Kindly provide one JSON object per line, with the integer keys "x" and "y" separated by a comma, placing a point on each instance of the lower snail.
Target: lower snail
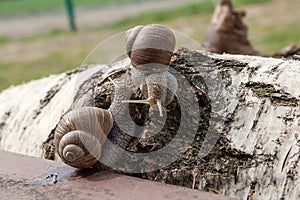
{"x": 82, "y": 132}
{"x": 150, "y": 49}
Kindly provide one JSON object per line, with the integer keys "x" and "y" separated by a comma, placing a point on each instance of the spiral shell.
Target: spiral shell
{"x": 150, "y": 44}
{"x": 80, "y": 135}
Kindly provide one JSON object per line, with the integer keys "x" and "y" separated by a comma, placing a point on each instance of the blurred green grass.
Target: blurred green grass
{"x": 70, "y": 54}
{"x": 198, "y": 8}
{"x": 12, "y": 73}
{"x": 277, "y": 37}
{"x": 12, "y": 7}
{"x": 4, "y": 40}
{"x": 202, "y": 7}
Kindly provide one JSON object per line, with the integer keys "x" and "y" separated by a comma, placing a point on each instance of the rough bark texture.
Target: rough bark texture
{"x": 251, "y": 104}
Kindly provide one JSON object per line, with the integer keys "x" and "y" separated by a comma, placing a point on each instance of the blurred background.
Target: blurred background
{"x": 37, "y": 39}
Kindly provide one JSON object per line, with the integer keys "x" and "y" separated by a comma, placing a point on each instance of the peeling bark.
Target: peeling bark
{"x": 251, "y": 104}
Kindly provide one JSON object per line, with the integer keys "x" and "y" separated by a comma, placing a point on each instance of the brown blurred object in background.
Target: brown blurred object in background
{"x": 228, "y": 34}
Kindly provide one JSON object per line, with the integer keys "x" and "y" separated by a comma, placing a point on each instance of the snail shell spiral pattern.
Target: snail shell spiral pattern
{"x": 80, "y": 135}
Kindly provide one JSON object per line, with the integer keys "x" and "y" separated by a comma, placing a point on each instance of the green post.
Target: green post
{"x": 70, "y": 11}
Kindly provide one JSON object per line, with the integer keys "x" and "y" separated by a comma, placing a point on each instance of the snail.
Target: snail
{"x": 81, "y": 133}
{"x": 150, "y": 49}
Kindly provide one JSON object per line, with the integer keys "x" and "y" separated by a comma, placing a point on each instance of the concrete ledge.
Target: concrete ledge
{"x": 24, "y": 177}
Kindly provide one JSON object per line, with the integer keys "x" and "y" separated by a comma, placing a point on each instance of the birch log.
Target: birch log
{"x": 256, "y": 100}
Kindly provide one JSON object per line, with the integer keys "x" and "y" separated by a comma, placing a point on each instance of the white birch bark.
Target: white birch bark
{"x": 261, "y": 105}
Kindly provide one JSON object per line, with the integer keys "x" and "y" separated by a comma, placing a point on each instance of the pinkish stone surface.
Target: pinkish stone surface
{"x": 23, "y": 177}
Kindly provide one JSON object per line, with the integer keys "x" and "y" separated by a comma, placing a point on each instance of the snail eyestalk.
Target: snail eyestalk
{"x": 159, "y": 108}
{"x": 126, "y": 74}
{"x": 112, "y": 81}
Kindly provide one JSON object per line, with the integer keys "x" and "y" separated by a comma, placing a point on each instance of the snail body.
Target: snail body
{"x": 81, "y": 133}
{"x": 150, "y": 49}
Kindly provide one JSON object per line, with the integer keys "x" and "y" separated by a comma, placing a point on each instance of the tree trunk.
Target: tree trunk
{"x": 247, "y": 141}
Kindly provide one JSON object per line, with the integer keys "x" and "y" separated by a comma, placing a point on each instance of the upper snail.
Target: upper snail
{"x": 150, "y": 49}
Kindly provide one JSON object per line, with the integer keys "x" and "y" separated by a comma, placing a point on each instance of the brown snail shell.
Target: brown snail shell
{"x": 148, "y": 44}
{"x": 150, "y": 49}
{"x": 81, "y": 134}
